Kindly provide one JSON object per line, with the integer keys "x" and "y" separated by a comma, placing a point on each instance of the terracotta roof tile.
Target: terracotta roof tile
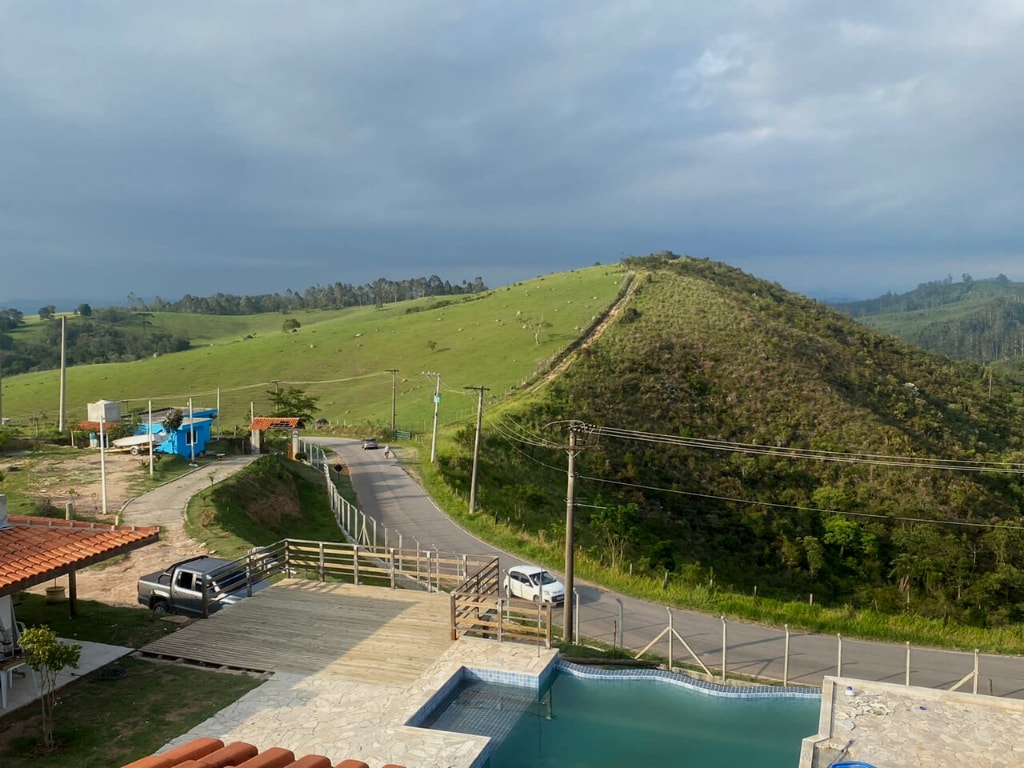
{"x": 36, "y": 549}
{"x": 275, "y": 422}
{"x": 213, "y": 753}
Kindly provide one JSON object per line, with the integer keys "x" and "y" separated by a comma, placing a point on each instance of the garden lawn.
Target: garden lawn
{"x": 104, "y": 723}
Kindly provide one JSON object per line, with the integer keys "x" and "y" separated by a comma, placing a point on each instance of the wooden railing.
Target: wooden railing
{"x": 381, "y": 566}
{"x": 478, "y": 610}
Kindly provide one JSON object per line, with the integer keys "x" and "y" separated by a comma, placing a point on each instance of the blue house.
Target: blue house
{"x": 189, "y": 439}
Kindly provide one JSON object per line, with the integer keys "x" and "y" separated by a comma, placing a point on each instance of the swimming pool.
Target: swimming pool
{"x": 611, "y": 721}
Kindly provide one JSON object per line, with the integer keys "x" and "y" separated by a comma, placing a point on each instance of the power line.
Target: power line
{"x": 874, "y": 459}
{"x": 775, "y": 505}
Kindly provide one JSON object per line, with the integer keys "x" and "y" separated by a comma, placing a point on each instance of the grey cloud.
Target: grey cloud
{"x": 769, "y": 135}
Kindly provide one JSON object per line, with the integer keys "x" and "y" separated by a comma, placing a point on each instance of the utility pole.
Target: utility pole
{"x": 103, "y": 468}
{"x": 393, "y": 372}
{"x": 437, "y": 400}
{"x": 63, "y": 373}
{"x": 570, "y": 546}
{"x": 476, "y": 445}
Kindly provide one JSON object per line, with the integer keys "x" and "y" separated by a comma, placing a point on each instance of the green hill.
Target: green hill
{"x": 979, "y": 321}
{"x": 498, "y": 339}
{"x": 705, "y": 352}
{"x": 703, "y": 396}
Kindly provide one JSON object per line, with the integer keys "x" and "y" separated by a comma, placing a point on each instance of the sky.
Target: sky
{"x": 843, "y": 149}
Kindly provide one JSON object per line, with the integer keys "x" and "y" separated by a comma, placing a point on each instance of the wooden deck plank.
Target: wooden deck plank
{"x": 362, "y": 634}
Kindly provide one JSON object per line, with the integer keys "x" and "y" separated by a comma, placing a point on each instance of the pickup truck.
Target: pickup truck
{"x": 180, "y": 588}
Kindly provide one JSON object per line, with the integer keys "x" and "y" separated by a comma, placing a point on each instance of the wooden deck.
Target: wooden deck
{"x": 361, "y": 634}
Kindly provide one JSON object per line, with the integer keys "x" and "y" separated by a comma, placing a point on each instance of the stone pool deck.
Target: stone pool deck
{"x": 311, "y": 714}
{"x": 896, "y": 726}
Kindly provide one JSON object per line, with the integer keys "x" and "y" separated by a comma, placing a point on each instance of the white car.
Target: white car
{"x": 532, "y": 583}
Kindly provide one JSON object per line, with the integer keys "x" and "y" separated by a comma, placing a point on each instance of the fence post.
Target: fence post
{"x": 839, "y": 661}
{"x": 725, "y": 645}
{"x": 907, "y": 678}
{"x": 391, "y": 553}
{"x": 575, "y": 616}
{"x": 785, "y": 659}
{"x": 455, "y": 631}
{"x": 621, "y": 622}
{"x": 501, "y": 623}
{"x": 205, "y": 586}
{"x": 374, "y": 531}
{"x": 320, "y": 573}
{"x": 671, "y": 632}
{"x": 428, "y": 571}
{"x": 355, "y": 564}
{"x": 975, "y": 670}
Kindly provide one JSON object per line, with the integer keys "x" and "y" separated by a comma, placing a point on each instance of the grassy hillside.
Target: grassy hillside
{"x": 705, "y": 351}
{"x": 498, "y": 339}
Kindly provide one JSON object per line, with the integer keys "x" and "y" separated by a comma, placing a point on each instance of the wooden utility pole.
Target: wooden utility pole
{"x": 570, "y": 548}
{"x": 437, "y": 401}
{"x": 63, "y": 374}
{"x": 476, "y": 445}
{"x": 393, "y": 372}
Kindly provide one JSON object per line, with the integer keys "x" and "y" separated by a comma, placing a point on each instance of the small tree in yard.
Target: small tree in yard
{"x": 48, "y": 656}
{"x": 292, "y": 401}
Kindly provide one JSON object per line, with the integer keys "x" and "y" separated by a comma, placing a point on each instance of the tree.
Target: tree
{"x": 47, "y": 312}
{"x": 291, "y": 324}
{"x": 536, "y": 326}
{"x": 615, "y": 529}
{"x": 84, "y": 310}
{"x": 173, "y": 420}
{"x": 292, "y": 401}
{"x": 48, "y": 656}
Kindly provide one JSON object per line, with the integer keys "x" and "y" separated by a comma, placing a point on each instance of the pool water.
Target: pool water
{"x": 609, "y": 722}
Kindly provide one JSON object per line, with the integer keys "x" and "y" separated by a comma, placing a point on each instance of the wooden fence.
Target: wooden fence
{"x": 479, "y": 610}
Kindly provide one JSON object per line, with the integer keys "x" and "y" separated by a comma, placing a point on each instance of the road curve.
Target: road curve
{"x": 388, "y": 494}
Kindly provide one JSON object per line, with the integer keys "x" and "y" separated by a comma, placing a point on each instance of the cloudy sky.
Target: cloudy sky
{"x": 841, "y": 149}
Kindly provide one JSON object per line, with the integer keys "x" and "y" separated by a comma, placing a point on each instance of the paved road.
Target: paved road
{"x": 165, "y": 504}
{"x": 388, "y": 494}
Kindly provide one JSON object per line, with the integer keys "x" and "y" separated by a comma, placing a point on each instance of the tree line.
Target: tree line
{"x": 118, "y": 334}
{"x": 333, "y": 296}
{"x": 114, "y": 335}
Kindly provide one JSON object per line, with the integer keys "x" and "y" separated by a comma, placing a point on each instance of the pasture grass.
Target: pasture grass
{"x": 343, "y": 357}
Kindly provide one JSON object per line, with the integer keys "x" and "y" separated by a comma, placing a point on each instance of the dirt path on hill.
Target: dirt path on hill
{"x": 595, "y": 333}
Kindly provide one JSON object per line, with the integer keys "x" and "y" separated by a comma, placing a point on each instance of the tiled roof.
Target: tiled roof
{"x": 36, "y": 549}
{"x": 275, "y": 422}
{"x": 213, "y": 753}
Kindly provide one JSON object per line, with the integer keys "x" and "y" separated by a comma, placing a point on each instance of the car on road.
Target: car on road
{"x": 532, "y": 583}
{"x": 369, "y": 443}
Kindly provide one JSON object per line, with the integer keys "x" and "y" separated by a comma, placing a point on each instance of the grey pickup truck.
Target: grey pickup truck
{"x": 199, "y": 586}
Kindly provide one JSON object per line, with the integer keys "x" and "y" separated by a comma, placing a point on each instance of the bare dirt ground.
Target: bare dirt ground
{"x": 76, "y": 479}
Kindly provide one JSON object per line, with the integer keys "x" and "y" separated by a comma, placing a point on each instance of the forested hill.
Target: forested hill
{"x": 705, "y": 352}
{"x": 979, "y": 321}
